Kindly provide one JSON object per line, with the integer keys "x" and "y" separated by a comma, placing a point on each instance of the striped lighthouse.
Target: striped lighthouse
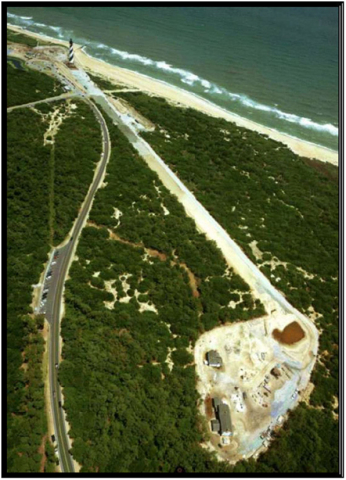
{"x": 70, "y": 52}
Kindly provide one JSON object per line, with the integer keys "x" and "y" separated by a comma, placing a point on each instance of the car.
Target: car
{"x": 53, "y": 438}
{"x": 46, "y": 290}
{"x": 56, "y": 365}
{"x": 60, "y": 404}
{"x": 53, "y": 263}
{"x": 56, "y": 449}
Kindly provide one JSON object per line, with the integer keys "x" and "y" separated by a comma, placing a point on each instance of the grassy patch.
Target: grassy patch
{"x": 24, "y": 86}
{"x": 104, "y": 84}
{"x": 14, "y": 37}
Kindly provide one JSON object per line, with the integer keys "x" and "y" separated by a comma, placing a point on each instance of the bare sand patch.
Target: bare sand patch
{"x": 260, "y": 380}
{"x": 56, "y": 119}
{"x": 125, "y": 108}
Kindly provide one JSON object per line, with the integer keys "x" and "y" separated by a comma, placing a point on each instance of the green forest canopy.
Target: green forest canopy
{"x": 37, "y": 190}
{"x": 125, "y": 391}
{"x": 259, "y": 190}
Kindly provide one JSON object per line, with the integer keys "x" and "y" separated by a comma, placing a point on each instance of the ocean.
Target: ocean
{"x": 277, "y": 66}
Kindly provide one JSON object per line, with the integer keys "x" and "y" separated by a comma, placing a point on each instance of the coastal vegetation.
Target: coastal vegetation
{"x": 145, "y": 283}
{"x": 27, "y": 249}
{"x": 25, "y": 86}
{"x": 280, "y": 208}
{"x": 102, "y": 83}
{"x": 76, "y": 150}
{"x": 43, "y": 198}
{"x": 14, "y": 37}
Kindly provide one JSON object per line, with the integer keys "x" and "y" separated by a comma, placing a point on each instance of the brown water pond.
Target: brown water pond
{"x": 291, "y": 334}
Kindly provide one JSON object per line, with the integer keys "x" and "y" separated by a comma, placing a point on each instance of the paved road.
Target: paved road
{"x": 63, "y": 96}
{"x": 54, "y": 301}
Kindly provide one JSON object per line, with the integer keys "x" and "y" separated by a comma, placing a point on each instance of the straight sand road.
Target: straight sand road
{"x": 273, "y": 300}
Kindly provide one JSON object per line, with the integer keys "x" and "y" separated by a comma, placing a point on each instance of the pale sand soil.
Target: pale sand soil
{"x": 249, "y": 353}
{"x": 181, "y": 97}
{"x": 125, "y": 108}
{"x": 56, "y": 119}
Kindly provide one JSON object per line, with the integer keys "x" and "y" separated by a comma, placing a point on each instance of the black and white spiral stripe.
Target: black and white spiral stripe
{"x": 70, "y": 54}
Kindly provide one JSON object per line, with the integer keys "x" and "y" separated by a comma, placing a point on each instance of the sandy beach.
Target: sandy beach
{"x": 184, "y": 98}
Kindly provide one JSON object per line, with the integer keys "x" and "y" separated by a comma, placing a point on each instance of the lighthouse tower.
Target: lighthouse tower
{"x": 70, "y": 53}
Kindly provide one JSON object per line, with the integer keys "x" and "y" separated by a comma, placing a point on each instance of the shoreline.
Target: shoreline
{"x": 184, "y": 98}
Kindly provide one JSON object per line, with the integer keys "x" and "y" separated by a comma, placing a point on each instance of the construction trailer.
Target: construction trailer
{"x": 224, "y": 417}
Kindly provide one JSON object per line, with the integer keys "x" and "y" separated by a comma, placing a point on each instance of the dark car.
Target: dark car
{"x": 53, "y": 438}
{"x": 60, "y": 404}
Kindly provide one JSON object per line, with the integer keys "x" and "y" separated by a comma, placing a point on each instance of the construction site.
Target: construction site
{"x": 256, "y": 370}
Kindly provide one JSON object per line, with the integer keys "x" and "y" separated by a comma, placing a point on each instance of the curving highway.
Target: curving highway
{"x": 55, "y": 276}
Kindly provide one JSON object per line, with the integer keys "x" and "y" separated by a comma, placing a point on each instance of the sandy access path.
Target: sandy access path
{"x": 273, "y": 300}
{"x": 184, "y": 98}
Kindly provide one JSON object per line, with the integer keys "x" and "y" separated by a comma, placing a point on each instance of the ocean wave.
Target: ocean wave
{"x": 12, "y": 15}
{"x": 289, "y": 117}
{"x": 185, "y": 76}
{"x": 191, "y": 79}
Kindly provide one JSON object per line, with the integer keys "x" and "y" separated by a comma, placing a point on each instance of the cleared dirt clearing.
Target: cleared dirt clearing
{"x": 257, "y": 395}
